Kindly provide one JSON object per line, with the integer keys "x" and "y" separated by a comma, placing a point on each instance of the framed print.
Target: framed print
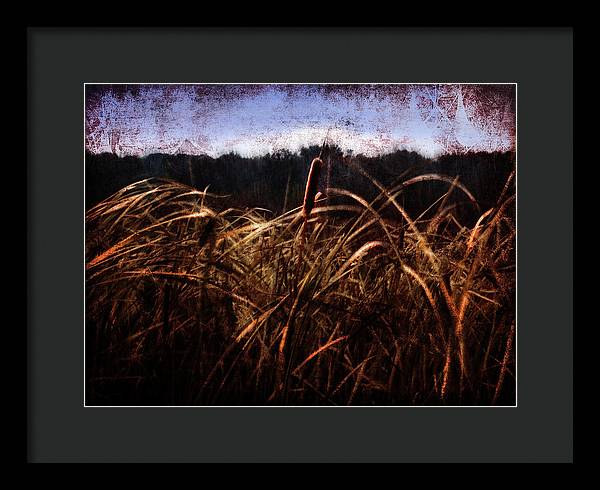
{"x": 279, "y": 265}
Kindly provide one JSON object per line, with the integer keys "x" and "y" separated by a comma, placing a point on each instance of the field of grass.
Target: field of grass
{"x": 352, "y": 302}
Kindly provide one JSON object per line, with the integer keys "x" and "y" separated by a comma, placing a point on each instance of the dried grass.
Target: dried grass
{"x": 189, "y": 302}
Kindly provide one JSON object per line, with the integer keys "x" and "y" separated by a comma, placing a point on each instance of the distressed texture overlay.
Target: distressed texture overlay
{"x": 300, "y": 244}
{"x": 256, "y": 119}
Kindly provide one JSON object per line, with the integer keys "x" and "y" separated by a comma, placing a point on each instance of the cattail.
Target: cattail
{"x": 311, "y": 186}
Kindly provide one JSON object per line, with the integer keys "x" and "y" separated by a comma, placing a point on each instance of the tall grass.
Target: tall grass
{"x": 336, "y": 302}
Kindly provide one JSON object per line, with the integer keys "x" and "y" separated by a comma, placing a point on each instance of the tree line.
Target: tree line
{"x": 276, "y": 181}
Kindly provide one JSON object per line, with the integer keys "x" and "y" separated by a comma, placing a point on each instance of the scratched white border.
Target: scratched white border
{"x": 323, "y": 406}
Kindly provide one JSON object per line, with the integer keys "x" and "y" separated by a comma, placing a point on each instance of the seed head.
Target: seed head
{"x": 311, "y": 186}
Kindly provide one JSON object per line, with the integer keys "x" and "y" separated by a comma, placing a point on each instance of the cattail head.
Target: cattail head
{"x": 311, "y": 186}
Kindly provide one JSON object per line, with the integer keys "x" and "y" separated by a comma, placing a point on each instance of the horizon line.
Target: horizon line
{"x": 298, "y": 153}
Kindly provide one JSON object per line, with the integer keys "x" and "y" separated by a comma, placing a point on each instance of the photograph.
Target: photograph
{"x": 300, "y": 244}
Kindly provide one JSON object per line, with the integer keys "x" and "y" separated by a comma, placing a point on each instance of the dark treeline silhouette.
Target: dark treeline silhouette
{"x": 276, "y": 181}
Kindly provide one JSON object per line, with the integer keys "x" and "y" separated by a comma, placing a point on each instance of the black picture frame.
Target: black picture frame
{"x": 61, "y": 429}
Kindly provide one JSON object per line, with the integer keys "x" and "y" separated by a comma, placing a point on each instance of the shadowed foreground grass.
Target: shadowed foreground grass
{"x": 189, "y": 302}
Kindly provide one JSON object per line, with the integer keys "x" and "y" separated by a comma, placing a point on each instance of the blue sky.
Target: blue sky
{"x": 256, "y": 119}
